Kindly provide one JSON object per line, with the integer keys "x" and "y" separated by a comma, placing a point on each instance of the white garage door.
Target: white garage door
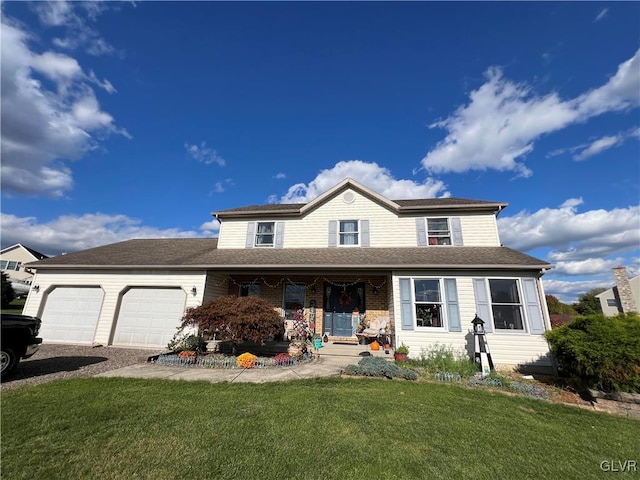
{"x": 149, "y": 317}
{"x": 71, "y": 314}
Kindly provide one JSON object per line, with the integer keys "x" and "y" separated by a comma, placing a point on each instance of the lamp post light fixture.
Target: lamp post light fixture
{"x": 478, "y": 325}
{"x": 194, "y": 291}
{"x": 482, "y": 353}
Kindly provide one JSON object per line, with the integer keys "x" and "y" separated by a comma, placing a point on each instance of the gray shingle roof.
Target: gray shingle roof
{"x": 202, "y": 253}
{"x": 424, "y": 204}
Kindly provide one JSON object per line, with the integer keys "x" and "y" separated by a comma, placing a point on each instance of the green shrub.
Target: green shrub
{"x": 379, "y": 367}
{"x": 186, "y": 340}
{"x": 599, "y": 352}
{"x": 445, "y": 358}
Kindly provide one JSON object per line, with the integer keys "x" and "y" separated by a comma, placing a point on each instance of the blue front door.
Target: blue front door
{"x": 340, "y": 300}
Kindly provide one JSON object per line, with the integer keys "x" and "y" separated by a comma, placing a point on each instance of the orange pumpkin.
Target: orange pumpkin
{"x": 375, "y": 346}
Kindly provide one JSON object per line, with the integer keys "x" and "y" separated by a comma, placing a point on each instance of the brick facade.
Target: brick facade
{"x": 377, "y": 292}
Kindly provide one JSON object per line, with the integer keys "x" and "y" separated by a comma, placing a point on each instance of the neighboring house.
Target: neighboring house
{"x": 427, "y": 266}
{"x": 12, "y": 262}
{"x": 624, "y": 297}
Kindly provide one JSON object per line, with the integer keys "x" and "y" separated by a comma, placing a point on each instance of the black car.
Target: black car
{"x": 19, "y": 340}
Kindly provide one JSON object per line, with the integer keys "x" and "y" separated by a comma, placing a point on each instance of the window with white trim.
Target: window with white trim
{"x": 428, "y": 302}
{"x": 265, "y": 234}
{"x": 612, "y": 302}
{"x": 438, "y": 231}
{"x": 506, "y": 304}
{"x": 10, "y": 265}
{"x": 348, "y": 234}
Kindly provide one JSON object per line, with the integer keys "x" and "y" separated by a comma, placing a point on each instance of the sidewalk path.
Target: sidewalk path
{"x": 323, "y": 366}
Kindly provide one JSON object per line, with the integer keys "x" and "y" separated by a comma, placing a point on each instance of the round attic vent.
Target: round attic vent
{"x": 348, "y": 197}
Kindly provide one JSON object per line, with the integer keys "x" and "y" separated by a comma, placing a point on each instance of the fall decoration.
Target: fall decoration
{"x": 247, "y": 360}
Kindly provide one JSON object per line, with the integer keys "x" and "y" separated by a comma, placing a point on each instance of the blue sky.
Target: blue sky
{"x": 133, "y": 120}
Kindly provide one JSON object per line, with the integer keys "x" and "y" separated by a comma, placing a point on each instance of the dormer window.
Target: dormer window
{"x": 438, "y": 231}
{"x": 265, "y": 233}
{"x": 349, "y": 232}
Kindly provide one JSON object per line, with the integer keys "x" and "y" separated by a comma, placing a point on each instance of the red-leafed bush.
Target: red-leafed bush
{"x": 237, "y": 319}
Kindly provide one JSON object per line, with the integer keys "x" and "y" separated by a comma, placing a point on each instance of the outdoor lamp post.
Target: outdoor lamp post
{"x": 478, "y": 325}
{"x": 482, "y": 353}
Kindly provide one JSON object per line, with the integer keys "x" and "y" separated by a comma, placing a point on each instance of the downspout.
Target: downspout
{"x": 543, "y": 300}
{"x": 547, "y": 318}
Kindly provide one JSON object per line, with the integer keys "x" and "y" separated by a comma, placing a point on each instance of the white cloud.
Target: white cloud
{"x": 75, "y": 18}
{"x": 598, "y": 146}
{"x": 579, "y": 241}
{"x": 221, "y": 186}
{"x": 210, "y": 229}
{"x": 590, "y": 266}
{"x": 104, "y": 84}
{"x": 498, "y": 127}
{"x": 594, "y": 147}
{"x": 603, "y": 13}
{"x": 41, "y": 127}
{"x": 371, "y": 175}
{"x": 70, "y": 233}
{"x": 569, "y": 291}
{"x": 54, "y": 14}
{"x": 204, "y": 154}
{"x": 279, "y": 176}
{"x": 59, "y": 68}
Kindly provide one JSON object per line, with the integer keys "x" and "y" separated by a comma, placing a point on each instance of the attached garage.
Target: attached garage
{"x": 71, "y": 314}
{"x": 149, "y": 317}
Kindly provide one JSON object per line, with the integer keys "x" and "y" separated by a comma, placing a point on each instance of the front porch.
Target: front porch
{"x": 334, "y": 305}
{"x": 334, "y": 347}
{"x": 342, "y": 349}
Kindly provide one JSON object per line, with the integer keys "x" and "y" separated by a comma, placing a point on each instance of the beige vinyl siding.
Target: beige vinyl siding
{"x": 114, "y": 284}
{"x": 21, "y": 255}
{"x": 507, "y": 348}
{"x": 217, "y": 285}
{"x": 480, "y": 230}
{"x": 515, "y": 349}
{"x": 608, "y": 294}
{"x": 387, "y": 228}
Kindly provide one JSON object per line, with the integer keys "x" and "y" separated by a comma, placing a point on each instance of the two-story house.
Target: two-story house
{"x": 12, "y": 262}
{"x": 428, "y": 266}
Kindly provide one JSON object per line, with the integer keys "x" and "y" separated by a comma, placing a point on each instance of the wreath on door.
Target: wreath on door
{"x": 345, "y": 299}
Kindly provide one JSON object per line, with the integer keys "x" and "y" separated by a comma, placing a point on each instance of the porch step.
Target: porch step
{"x": 355, "y": 350}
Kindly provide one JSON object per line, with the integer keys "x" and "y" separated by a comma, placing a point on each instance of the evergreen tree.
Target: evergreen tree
{"x": 588, "y": 303}
{"x": 8, "y": 293}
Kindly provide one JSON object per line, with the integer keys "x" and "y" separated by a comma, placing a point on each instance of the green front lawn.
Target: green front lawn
{"x": 330, "y": 428}
{"x": 14, "y": 307}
